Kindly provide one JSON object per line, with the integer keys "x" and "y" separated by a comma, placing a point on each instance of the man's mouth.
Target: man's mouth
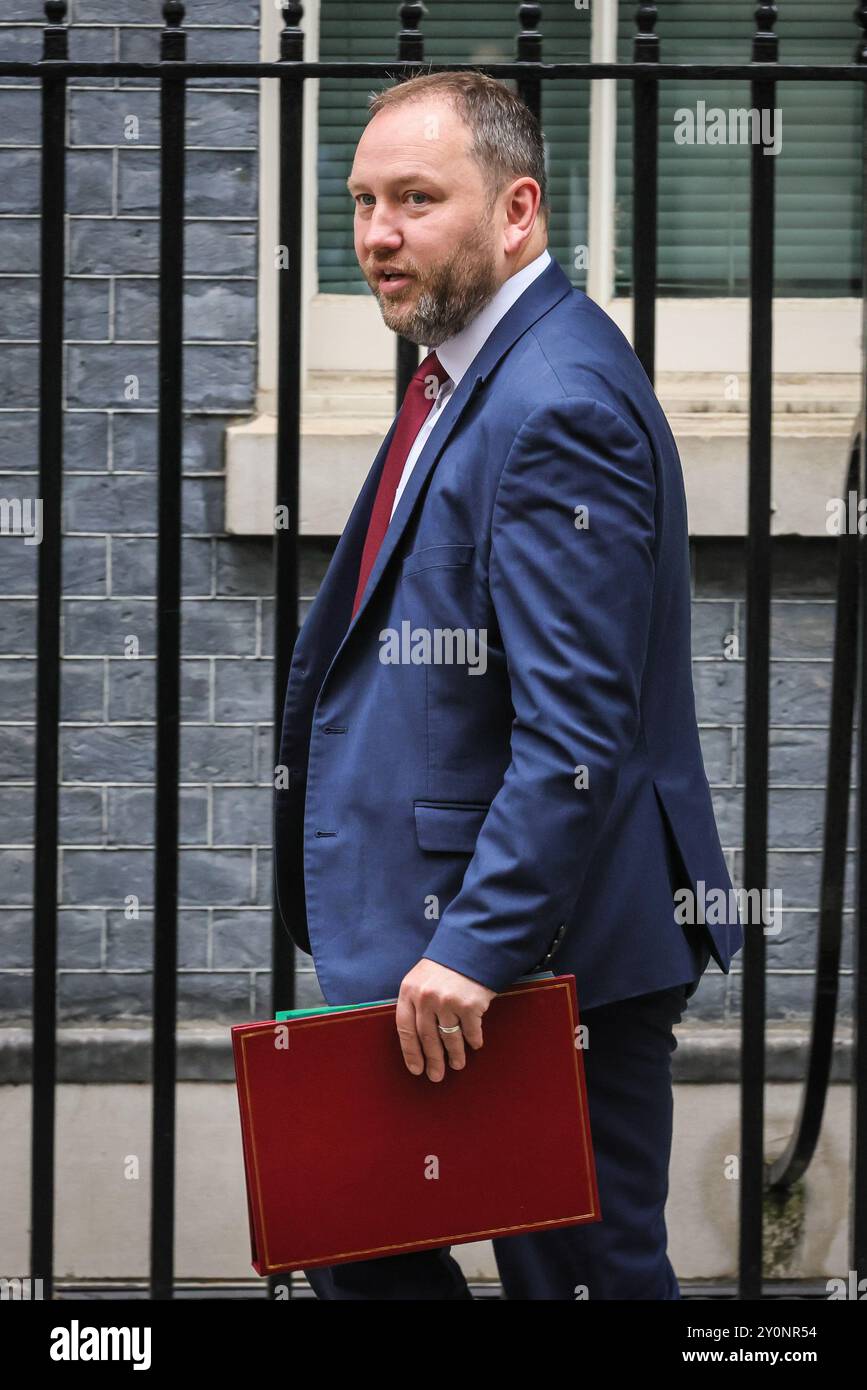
{"x": 392, "y": 279}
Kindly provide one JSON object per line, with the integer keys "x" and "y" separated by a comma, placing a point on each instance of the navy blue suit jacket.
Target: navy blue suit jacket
{"x": 541, "y": 810}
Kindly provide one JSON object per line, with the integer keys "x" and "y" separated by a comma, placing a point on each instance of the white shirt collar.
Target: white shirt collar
{"x": 457, "y": 353}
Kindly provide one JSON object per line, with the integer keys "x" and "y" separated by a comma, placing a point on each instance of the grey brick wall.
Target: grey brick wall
{"x": 802, "y": 634}
{"x": 107, "y": 735}
{"x": 109, "y": 520}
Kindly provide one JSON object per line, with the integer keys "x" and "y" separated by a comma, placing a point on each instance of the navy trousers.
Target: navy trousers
{"x": 628, "y": 1070}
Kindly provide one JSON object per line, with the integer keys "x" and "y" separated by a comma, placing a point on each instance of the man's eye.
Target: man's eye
{"x": 359, "y": 196}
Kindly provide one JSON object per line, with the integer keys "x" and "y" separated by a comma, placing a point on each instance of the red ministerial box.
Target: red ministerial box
{"x": 349, "y": 1156}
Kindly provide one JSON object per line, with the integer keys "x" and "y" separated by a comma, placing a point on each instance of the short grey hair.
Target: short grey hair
{"x": 507, "y": 141}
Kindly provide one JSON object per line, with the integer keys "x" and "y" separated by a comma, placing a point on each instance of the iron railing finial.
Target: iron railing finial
{"x": 529, "y": 47}
{"x": 292, "y": 35}
{"x": 55, "y": 35}
{"x": 646, "y": 46}
{"x": 173, "y": 39}
{"x": 766, "y": 42}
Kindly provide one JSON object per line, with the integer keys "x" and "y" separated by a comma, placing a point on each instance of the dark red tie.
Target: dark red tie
{"x": 420, "y": 395}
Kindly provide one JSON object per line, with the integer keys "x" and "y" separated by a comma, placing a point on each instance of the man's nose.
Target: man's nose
{"x": 382, "y": 229}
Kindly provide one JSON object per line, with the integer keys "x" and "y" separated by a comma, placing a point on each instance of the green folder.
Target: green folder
{"x": 328, "y": 1009}
{"x": 340, "y": 1008}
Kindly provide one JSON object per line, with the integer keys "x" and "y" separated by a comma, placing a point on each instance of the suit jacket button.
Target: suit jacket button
{"x": 556, "y": 942}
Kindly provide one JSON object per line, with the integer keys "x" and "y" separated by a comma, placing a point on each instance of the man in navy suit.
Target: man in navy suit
{"x": 490, "y": 761}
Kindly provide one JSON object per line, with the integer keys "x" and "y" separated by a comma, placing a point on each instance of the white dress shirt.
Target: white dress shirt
{"x": 457, "y": 353}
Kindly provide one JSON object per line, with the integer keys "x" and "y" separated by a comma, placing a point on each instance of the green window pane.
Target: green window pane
{"x": 704, "y": 190}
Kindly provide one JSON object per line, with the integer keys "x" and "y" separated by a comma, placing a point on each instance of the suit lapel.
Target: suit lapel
{"x": 333, "y": 604}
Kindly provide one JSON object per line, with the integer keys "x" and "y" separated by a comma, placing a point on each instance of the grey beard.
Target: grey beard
{"x": 434, "y": 321}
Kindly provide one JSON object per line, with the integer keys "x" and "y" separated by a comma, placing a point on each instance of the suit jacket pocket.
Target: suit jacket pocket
{"x": 437, "y": 556}
{"x": 449, "y": 825}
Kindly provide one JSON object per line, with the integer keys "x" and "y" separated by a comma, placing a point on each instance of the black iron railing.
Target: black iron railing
{"x": 530, "y": 72}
